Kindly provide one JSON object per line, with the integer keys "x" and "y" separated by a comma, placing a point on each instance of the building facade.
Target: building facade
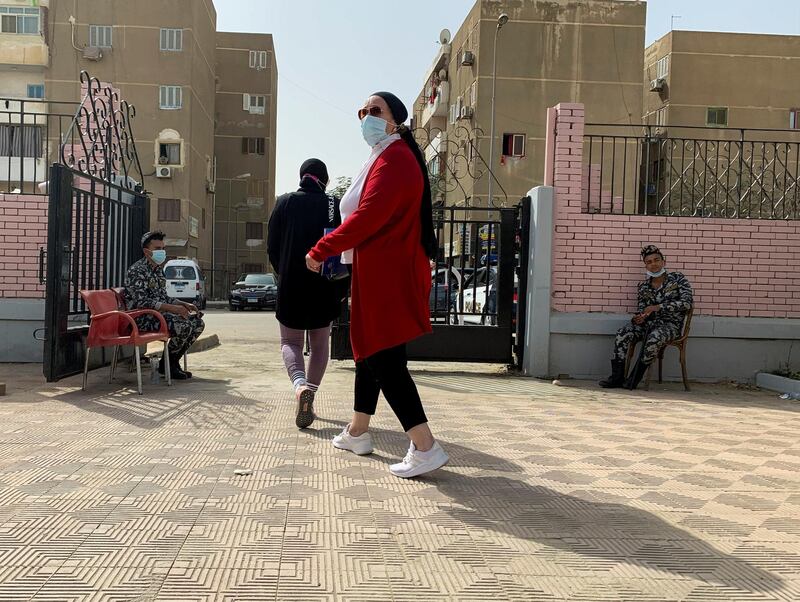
{"x": 244, "y": 145}
{"x": 737, "y": 80}
{"x": 163, "y": 57}
{"x": 547, "y": 52}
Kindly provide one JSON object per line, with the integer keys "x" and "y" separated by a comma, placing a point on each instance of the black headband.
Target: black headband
{"x": 396, "y": 106}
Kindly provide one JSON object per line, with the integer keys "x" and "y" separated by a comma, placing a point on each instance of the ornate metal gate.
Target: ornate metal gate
{"x": 98, "y": 213}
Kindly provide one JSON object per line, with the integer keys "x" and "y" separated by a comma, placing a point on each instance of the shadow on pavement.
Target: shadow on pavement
{"x": 203, "y": 403}
{"x": 588, "y": 526}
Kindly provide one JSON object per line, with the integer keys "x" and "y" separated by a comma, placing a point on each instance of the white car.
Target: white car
{"x": 185, "y": 281}
{"x": 478, "y": 298}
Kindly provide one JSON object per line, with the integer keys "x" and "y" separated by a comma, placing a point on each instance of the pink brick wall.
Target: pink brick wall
{"x": 23, "y": 230}
{"x": 737, "y": 267}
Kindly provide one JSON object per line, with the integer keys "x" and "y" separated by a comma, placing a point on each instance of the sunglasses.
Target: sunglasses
{"x": 374, "y": 111}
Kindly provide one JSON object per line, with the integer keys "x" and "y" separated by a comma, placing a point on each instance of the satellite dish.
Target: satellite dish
{"x": 444, "y": 36}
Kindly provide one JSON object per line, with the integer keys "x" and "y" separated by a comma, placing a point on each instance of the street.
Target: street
{"x": 552, "y": 492}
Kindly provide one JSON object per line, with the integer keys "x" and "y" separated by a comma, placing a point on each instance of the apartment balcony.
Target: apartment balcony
{"x": 23, "y": 50}
{"x": 30, "y": 134}
{"x": 437, "y": 105}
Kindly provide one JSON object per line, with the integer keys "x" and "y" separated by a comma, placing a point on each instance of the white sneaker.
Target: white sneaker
{"x": 416, "y": 462}
{"x": 360, "y": 446}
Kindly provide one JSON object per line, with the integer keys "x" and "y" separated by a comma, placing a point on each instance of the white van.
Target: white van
{"x": 185, "y": 281}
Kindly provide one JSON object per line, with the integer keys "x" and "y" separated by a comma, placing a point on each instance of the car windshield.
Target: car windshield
{"x": 259, "y": 279}
{"x": 180, "y": 272}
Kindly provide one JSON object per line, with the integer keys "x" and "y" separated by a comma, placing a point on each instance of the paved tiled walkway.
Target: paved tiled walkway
{"x": 552, "y": 493}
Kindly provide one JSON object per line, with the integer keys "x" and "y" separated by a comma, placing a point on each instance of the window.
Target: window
{"x": 433, "y": 166}
{"x": 256, "y": 268}
{"x": 794, "y": 119}
{"x": 15, "y": 19}
{"x": 258, "y": 59}
{"x": 255, "y": 103}
{"x": 203, "y": 218}
{"x": 194, "y": 226}
{"x": 253, "y": 146}
{"x": 100, "y": 36}
{"x": 473, "y": 93}
{"x": 661, "y": 117}
{"x": 180, "y": 272}
{"x": 514, "y": 145}
{"x": 254, "y": 230}
{"x": 21, "y": 141}
{"x": 170, "y": 97}
{"x": 35, "y": 90}
{"x": 171, "y": 39}
{"x": 662, "y": 67}
{"x": 169, "y": 153}
{"x": 169, "y": 210}
{"x": 717, "y": 116}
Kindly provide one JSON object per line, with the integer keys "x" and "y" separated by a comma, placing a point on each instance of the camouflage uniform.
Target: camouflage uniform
{"x": 146, "y": 288}
{"x": 675, "y": 299}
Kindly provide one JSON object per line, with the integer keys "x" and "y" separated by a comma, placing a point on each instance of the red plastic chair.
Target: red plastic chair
{"x": 112, "y": 327}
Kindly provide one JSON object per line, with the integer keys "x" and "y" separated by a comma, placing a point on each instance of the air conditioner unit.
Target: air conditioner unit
{"x": 211, "y": 187}
{"x": 164, "y": 172}
{"x": 466, "y": 113}
{"x": 468, "y": 58}
{"x": 90, "y": 53}
{"x": 657, "y": 85}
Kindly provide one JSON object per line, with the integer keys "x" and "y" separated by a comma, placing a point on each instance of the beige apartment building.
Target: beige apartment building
{"x": 548, "y": 52}
{"x": 724, "y": 113}
{"x": 245, "y": 149}
{"x": 737, "y": 80}
{"x": 202, "y": 98}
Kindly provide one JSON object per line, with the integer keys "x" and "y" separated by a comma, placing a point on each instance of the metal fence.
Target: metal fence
{"x": 692, "y": 171}
{"x": 30, "y": 137}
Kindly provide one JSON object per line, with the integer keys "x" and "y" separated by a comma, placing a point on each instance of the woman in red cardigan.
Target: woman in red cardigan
{"x": 387, "y": 233}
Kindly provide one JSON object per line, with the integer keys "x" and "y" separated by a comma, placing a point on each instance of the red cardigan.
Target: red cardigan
{"x": 391, "y": 274}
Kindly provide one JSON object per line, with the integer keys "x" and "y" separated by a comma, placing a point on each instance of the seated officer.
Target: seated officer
{"x": 664, "y": 299}
{"x": 146, "y": 288}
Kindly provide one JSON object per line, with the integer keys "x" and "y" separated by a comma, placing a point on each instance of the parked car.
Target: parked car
{"x": 478, "y": 301}
{"x": 185, "y": 281}
{"x": 445, "y": 284}
{"x": 254, "y": 290}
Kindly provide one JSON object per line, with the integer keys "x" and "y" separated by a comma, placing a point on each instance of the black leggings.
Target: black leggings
{"x": 387, "y": 371}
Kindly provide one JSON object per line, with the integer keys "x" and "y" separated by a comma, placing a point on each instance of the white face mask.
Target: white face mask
{"x": 656, "y": 274}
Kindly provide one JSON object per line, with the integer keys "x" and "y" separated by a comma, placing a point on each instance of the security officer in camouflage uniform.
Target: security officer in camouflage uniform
{"x": 146, "y": 288}
{"x": 664, "y": 300}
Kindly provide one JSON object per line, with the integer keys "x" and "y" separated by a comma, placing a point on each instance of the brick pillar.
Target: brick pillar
{"x": 568, "y": 159}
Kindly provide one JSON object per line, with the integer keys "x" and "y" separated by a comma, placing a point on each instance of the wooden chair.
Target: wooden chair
{"x": 680, "y": 343}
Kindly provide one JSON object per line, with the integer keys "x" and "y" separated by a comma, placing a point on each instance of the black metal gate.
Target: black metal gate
{"x": 96, "y": 217}
{"x": 474, "y": 290}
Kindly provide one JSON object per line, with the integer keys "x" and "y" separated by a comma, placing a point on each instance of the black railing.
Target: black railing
{"x": 31, "y": 133}
{"x": 692, "y": 171}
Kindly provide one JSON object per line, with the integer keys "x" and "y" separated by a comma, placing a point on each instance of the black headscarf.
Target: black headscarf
{"x": 400, "y": 114}
{"x": 316, "y": 168}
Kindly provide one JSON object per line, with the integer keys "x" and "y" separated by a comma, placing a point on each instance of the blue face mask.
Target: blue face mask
{"x": 373, "y": 129}
{"x": 159, "y": 256}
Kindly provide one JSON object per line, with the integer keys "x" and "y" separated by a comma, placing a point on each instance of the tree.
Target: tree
{"x": 341, "y": 186}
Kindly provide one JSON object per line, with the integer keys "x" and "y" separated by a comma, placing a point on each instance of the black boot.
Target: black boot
{"x": 636, "y": 375}
{"x": 175, "y": 367}
{"x": 617, "y": 378}
{"x": 175, "y": 370}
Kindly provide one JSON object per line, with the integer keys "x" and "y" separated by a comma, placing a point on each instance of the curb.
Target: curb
{"x": 204, "y": 343}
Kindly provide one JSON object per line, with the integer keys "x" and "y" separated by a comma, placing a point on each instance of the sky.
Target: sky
{"x": 332, "y": 54}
